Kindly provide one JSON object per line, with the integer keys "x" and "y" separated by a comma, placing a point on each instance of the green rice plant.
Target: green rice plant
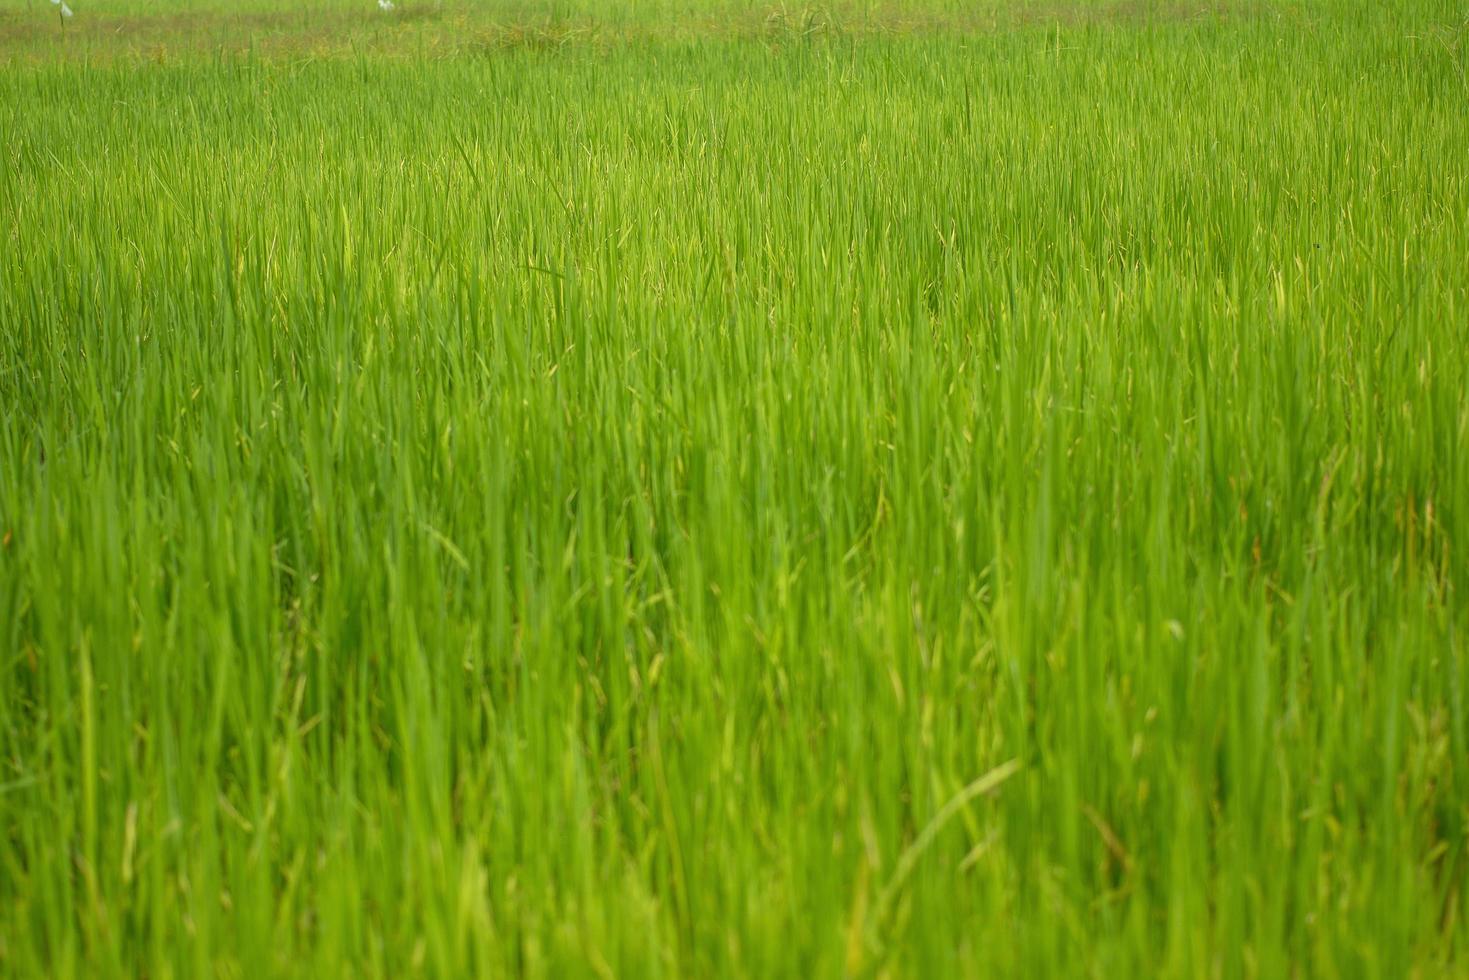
{"x": 624, "y": 490}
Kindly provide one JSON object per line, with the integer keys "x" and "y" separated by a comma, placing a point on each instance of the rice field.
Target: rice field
{"x": 617, "y": 489}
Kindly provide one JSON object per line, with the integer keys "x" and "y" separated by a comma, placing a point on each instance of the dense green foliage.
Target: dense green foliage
{"x": 978, "y": 497}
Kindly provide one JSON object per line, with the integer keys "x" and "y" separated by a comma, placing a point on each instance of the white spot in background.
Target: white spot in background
{"x": 65, "y": 10}
{"x": 385, "y": 4}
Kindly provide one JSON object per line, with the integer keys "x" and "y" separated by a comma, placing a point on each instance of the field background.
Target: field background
{"x": 420, "y": 29}
{"x": 597, "y": 488}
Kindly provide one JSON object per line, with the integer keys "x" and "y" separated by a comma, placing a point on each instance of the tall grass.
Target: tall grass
{"x": 973, "y": 502}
